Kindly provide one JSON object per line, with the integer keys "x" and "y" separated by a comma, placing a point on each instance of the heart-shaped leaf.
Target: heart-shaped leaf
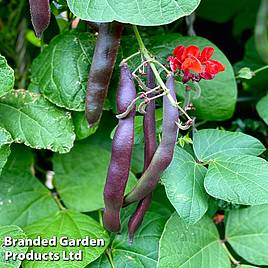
{"x": 61, "y": 70}
{"x": 196, "y": 246}
{"x": 140, "y": 12}
{"x": 4, "y": 154}
{"x": 16, "y": 233}
{"x": 184, "y": 184}
{"x": 143, "y": 252}
{"x": 72, "y": 225}
{"x": 262, "y": 109}
{"x": 32, "y": 120}
{"x": 212, "y": 143}
{"x": 81, "y": 127}
{"x": 23, "y": 199}
{"x": 7, "y": 77}
{"x": 239, "y": 179}
{"x": 80, "y": 176}
{"x": 247, "y": 232}
{"x": 5, "y": 140}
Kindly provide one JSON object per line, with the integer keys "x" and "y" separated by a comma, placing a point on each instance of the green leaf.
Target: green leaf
{"x": 21, "y": 158}
{"x": 7, "y": 77}
{"x": 81, "y": 127}
{"x": 143, "y": 252}
{"x": 69, "y": 224}
{"x": 253, "y": 61}
{"x": 212, "y": 143}
{"x": 262, "y": 109}
{"x": 238, "y": 179}
{"x": 210, "y": 10}
{"x": 35, "y": 122}
{"x": 16, "y": 233}
{"x": 184, "y": 184}
{"x": 137, "y": 158}
{"x": 5, "y": 140}
{"x": 247, "y": 232}
{"x": 146, "y": 13}
{"x": 218, "y": 96}
{"x": 101, "y": 262}
{"x": 139, "y": 135}
{"x": 61, "y": 70}
{"x": 5, "y": 137}
{"x": 4, "y": 154}
{"x": 80, "y": 176}
{"x": 23, "y": 199}
{"x": 196, "y": 246}
{"x": 246, "y": 73}
{"x": 242, "y": 13}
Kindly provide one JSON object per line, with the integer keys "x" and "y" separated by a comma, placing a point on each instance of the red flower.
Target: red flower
{"x": 189, "y": 59}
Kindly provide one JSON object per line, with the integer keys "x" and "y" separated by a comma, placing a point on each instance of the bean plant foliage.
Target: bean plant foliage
{"x": 142, "y": 125}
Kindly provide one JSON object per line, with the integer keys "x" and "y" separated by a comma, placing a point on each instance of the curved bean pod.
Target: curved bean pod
{"x": 101, "y": 69}
{"x": 119, "y": 167}
{"x": 149, "y": 150}
{"x": 164, "y": 153}
{"x": 136, "y": 219}
{"x": 40, "y": 15}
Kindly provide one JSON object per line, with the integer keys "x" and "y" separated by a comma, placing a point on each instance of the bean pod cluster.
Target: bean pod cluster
{"x": 156, "y": 157}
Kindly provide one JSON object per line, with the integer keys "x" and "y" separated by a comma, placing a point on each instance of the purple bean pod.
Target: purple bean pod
{"x": 40, "y": 15}
{"x": 123, "y": 140}
{"x": 101, "y": 69}
{"x": 164, "y": 153}
{"x": 150, "y": 147}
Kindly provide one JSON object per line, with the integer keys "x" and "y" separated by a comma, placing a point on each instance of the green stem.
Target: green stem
{"x": 61, "y": 207}
{"x": 201, "y": 123}
{"x": 162, "y": 66}
{"x": 198, "y": 90}
{"x": 130, "y": 57}
{"x": 109, "y": 255}
{"x": 100, "y": 217}
{"x": 187, "y": 98}
{"x": 150, "y": 60}
{"x": 260, "y": 69}
{"x": 42, "y": 42}
{"x": 256, "y": 71}
{"x": 233, "y": 260}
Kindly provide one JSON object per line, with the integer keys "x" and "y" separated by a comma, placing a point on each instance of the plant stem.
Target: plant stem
{"x": 100, "y": 217}
{"x": 55, "y": 196}
{"x": 187, "y": 98}
{"x": 150, "y": 60}
{"x": 201, "y": 123}
{"x": 109, "y": 255}
{"x": 233, "y": 260}
{"x": 260, "y": 69}
{"x": 162, "y": 66}
{"x": 198, "y": 91}
{"x": 256, "y": 71}
{"x": 42, "y": 42}
{"x": 130, "y": 57}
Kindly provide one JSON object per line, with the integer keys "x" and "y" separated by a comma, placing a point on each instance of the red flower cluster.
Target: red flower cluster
{"x": 190, "y": 58}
